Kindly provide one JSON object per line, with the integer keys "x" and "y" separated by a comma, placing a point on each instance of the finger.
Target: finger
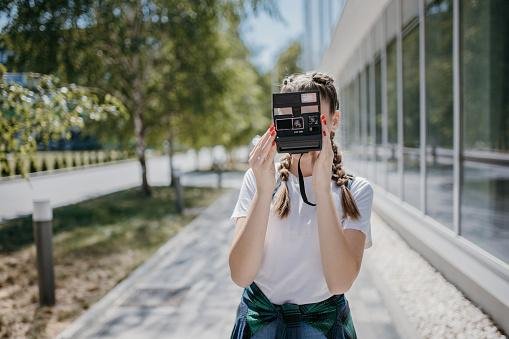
{"x": 260, "y": 143}
{"x": 257, "y": 145}
{"x": 326, "y": 143}
{"x": 259, "y": 154}
{"x": 271, "y": 153}
{"x": 325, "y": 124}
{"x": 266, "y": 146}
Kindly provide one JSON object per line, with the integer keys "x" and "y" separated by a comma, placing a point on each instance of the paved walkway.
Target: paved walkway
{"x": 184, "y": 291}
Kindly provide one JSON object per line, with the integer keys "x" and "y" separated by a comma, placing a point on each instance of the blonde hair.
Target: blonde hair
{"x": 325, "y": 84}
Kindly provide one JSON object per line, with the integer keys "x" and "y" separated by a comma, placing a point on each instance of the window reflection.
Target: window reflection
{"x": 380, "y": 169}
{"x": 363, "y": 121}
{"x": 485, "y": 70}
{"x": 411, "y": 116}
{"x": 439, "y": 111}
{"x": 392, "y": 120}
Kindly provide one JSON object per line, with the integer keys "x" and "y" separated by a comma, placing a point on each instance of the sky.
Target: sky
{"x": 266, "y": 37}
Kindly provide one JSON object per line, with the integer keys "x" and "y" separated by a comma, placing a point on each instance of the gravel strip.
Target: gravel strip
{"x": 434, "y": 306}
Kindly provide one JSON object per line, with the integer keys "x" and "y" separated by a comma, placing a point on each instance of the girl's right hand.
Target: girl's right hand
{"x": 261, "y": 160}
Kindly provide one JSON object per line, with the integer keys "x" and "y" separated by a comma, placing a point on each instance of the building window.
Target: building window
{"x": 392, "y": 120}
{"x": 380, "y": 170}
{"x": 371, "y": 120}
{"x": 439, "y": 111}
{"x": 411, "y": 114}
{"x": 485, "y": 106}
{"x": 364, "y": 114}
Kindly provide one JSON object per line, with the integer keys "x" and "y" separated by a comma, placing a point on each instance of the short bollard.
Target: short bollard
{"x": 42, "y": 223}
{"x": 179, "y": 195}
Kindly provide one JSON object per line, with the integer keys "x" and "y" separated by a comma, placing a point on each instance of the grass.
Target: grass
{"x": 96, "y": 244}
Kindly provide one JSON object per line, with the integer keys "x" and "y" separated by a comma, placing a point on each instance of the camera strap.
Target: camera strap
{"x": 301, "y": 184}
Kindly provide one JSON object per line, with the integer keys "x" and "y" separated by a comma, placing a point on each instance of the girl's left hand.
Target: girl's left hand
{"x": 322, "y": 167}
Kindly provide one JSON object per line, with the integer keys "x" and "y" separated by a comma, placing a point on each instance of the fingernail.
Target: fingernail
{"x": 272, "y": 133}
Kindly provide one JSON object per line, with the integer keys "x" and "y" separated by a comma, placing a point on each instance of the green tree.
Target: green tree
{"x": 47, "y": 110}
{"x": 243, "y": 109}
{"x": 164, "y": 59}
{"x": 288, "y": 61}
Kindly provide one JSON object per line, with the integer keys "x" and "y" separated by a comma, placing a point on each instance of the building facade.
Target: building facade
{"x": 425, "y": 117}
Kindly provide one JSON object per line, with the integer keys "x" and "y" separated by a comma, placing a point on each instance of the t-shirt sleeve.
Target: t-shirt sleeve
{"x": 362, "y": 193}
{"x": 246, "y": 194}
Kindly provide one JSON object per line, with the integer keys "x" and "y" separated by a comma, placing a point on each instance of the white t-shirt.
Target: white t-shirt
{"x": 291, "y": 269}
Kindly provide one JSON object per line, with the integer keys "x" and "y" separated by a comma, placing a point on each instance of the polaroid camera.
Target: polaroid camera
{"x": 296, "y": 117}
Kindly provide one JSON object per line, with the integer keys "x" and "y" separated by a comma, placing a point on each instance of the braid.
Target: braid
{"x": 282, "y": 198}
{"x": 339, "y": 176}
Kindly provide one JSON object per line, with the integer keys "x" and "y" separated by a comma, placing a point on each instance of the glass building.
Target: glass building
{"x": 425, "y": 117}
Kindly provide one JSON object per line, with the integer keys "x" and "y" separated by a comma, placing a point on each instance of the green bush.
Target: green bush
{"x": 44, "y": 166}
{"x": 18, "y": 166}
{"x": 75, "y": 160}
{"x": 33, "y": 166}
{"x": 56, "y": 164}
{"x": 68, "y": 160}
{"x": 5, "y": 169}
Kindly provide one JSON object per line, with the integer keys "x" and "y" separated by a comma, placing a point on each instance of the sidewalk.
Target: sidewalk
{"x": 184, "y": 291}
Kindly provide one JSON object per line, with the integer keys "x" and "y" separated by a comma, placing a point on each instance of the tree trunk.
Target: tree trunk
{"x": 212, "y": 158}
{"x": 196, "y": 159}
{"x": 140, "y": 150}
{"x": 231, "y": 162}
{"x": 171, "y": 149}
{"x": 170, "y": 157}
{"x": 138, "y": 108}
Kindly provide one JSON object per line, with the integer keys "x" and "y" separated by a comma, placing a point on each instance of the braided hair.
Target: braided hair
{"x": 325, "y": 85}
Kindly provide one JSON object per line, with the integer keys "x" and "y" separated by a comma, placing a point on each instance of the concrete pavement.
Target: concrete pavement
{"x": 184, "y": 291}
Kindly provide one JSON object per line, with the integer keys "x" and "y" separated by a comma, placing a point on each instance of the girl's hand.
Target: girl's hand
{"x": 261, "y": 160}
{"x": 322, "y": 167}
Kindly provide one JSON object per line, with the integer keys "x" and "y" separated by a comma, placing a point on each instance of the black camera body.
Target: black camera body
{"x": 296, "y": 117}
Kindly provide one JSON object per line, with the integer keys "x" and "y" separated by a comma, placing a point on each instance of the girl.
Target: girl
{"x": 296, "y": 259}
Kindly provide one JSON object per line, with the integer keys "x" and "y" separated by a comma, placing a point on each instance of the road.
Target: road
{"x": 65, "y": 187}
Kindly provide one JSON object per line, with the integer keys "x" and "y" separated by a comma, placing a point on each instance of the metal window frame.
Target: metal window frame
{"x": 364, "y": 111}
{"x": 422, "y": 103}
{"x": 457, "y": 118}
{"x": 383, "y": 61}
{"x": 399, "y": 96}
{"x": 372, "y": 111}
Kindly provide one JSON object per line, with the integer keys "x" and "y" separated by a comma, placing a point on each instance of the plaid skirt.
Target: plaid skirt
{"x": 258, "y": 318}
